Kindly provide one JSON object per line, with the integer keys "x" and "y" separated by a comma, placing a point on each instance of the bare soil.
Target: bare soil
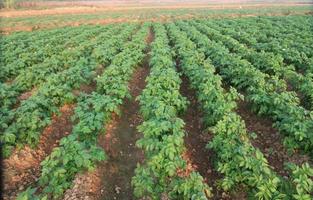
{"x": 202, "y": 158}
{"x": 123, "y": 153}
{"x": 24, "y": 96}
{"x": 27, "y": 94}
{"x": 269, "y": 141}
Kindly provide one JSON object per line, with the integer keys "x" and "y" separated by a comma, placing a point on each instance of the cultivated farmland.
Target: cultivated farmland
{"x": 194, "y": 108}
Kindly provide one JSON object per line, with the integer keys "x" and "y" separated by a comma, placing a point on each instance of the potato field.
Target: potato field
{"x": 185, "y": 109}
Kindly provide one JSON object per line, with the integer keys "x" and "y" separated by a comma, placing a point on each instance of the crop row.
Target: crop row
{"x": 15, "y": 61}
{"x": 24, "y": 39}
{"x": 266, "y": 94}
{"x": 20, "y": 42}
{"x": 294, "y": 33}
{"x": 36, "y": 74}
{"x": 237, "y": 159}
{"x": 266, "y": 62}
{"x": 165, "y": 170}
{"x": 258, "y": 39}
{"x": 79, "y": 151}
{"x": 56, "y": 91}
{"x": 246, "y": 164}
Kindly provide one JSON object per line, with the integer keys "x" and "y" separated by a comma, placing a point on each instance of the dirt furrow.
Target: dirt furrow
{"x": 112, "y": 178}
{"x": 197, "y": 138}
{"x": 268, "y": 140}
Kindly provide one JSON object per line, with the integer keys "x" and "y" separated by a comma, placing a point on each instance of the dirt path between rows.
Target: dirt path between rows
{"x": 269, "y": 141}
{"x": 123, "y": 153}
{"x": 201, "y": 157}
{"x": 112, "y": 178}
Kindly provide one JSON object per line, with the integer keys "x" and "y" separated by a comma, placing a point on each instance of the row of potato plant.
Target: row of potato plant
{"x": 259, "y": 40}
{"x": 237, "y": 159}
{"x": 164, "y": 171}
{"x": 292, "y": 32}
{"x": 17, "y": 61}
{"x": 267, "y": 94}
{"x": 36, "y": 74}
{"x": 25, "y": 39}
{"x": 79, "y": 151}
{"x": 56, "y": 92}
{"x": 299, "y": 186}
{"x": 267, "y": 62}
{"x": 19, "y": 43}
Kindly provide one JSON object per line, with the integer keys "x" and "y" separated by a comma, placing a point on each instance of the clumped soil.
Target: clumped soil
{"x": 120, "y": 146}
{"x": 112, "y": 178}
{"x": 268, "y": 140}
{"x": 197, "y": 138}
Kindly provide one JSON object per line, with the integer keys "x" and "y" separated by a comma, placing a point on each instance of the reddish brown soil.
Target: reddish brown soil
{"x": 202, "y": 158}
{"x": 26, "y": 94}
{"x": 23, "y": 166}
{"x": 112, "y": 178}
{"x": 268, "y": 140}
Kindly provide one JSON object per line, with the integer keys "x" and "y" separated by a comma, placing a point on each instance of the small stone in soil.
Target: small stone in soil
{"x": 117, "y": 189}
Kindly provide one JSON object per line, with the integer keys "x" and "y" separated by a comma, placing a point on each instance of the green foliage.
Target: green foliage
{"x": 258, "y": 56}
{"x": 79, "y": 151}
{"x": 57, "y": 90}
{"x": 191, "y": 188}
{"x": 59, "y": 168}
{"x": 267, "y": 94}
{"x": 238, "y": 160}
{"x": 163, "y": 132}
{"x": 267, "y": 62}
{"x": 302, "y": 179}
